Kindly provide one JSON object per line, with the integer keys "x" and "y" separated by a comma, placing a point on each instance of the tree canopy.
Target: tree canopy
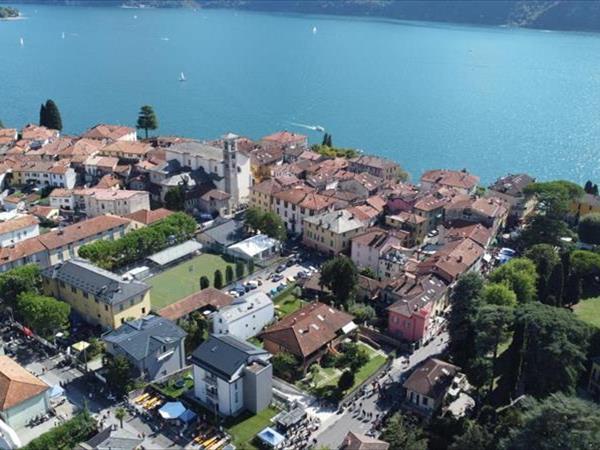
{"x": 520, "y": 276}
{"x": 175, "y": 199}
{"x": 402, "y": 434}
{"x": 555, "y": 196}
{"x": 266, "y": 222}
{"x": 498, "y": 294}
{"x": 340, "y": 275}
{"x": 589, "y": 228}
{"x": 147, "y": 119}
{"x": 50, "y": 116}
{"x": 44, "y": 315}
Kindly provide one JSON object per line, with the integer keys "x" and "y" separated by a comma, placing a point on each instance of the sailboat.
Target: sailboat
{"x": 22, "y": 42}
{"x": 182, "y": 77}
{"x": 314, "y": 30}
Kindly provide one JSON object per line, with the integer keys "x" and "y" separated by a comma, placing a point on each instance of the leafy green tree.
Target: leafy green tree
{"x": 218, "y": 281}
{"x": 589, "y": 228}
{"x": 272, "y": 225}
{"x": 402, "y": 434}
{"x": 498, "y": 294}
{"x": 520, "y": 276}
{"x": 368, "y": 272}
{"x": 557, "y": 422}
{"x": 175, "y": 199}
{"x": 346, "y": 380}
{"x": 67, "y": 435}
{"x": 120, "y": 414}
{"x": 544, "y": 230}
{"x": 545, "y": 257}
{"x": 548, "y": 350}
{"x": 362, "y": 313}
{"x": 465, "y": 300}
{"x": 228, "y": 275}
{"x": 253, "y": 218}
{"x": 475, "y": 437}
{"x": 340, "y": 275}
{"x": 285, "y": 365}
{"x": 45, "y": 315}
{"x": 196, "y": 327}
{"x": 555, "y": 196}
{"x": 21, "y": 279}
{"x": 118, "y": 374}
{"x": 239, "y": 269}
{"x": 147, "y": 119}
{"x": 353, "y": 356}
{"x": 204, "y": 283}
{"x": 573, "y": 290}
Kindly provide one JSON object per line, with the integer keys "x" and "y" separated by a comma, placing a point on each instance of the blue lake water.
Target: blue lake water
{"x": 488, "y": 99}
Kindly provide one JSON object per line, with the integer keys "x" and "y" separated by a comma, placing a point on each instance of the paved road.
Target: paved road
{"x": 333, "y": 430}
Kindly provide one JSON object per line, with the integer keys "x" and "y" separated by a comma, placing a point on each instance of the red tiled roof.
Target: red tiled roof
{"x": 17, "y": 384}
{"x": 148, "y": 217}
{"x": 207, "y": 297}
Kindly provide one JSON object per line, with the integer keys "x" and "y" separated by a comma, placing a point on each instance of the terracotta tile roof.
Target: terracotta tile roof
{"x": 81, "y": 230}
{"x": 25, "y": 248}
{"x": 207, "y": 297}
{"x": 18, "y": 223}
{"x": 432, "y": 378}
{"x": 83, "y": 147}
{"x": 430, "y": 203}
{"x": 512, "y": 185}
{"x": 364, "y": 212}
{"x": 134, "y": 148}
{"x": 103, "y": 131}
{"x": 43, "y": 211}
{"x": 377, "y": 202}
{"x": 55, "y": 147}
{"x": 148, "y": 217}
{"x": 454, "y": 178}
{"x": 308, "y": 329}
{"x": 414, "y": 294}
{"x": 17, "y": 384}
{"x": 108, "y": 181}
{"x": 474, "y": 231}
{"x": 109, "y": 194}
{"x": 61, "y": 192}
{"x": 316, "y": 202}
{"x": 215, "y": 194}
{"x": 374, "y": 161}
{"x": 285, "y": 138}
{"x": 355, "y": 441}
{"x": 33, "y": 132}
{"x": 453, "y": 259}
{"x": 294, "y": 195}
{"x": 310, "y": 155}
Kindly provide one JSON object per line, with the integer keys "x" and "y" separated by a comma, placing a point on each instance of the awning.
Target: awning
{"x": 350, "y": 326}
{"x": 171, "y": 410}
{"x": 187, "y": 416}
{"x": 56, "y": 391}
{"x": 271, "y": 437}
{"x": 80, "y": 346}
{"x": 27, "y": 332}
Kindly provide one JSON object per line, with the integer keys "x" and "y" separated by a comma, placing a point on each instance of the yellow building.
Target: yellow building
{"x": 100, "y": 297}
{"x": 331, "y": 232}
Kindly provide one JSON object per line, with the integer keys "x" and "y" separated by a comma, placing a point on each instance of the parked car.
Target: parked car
{"x": 277, "y": 277}
{"x": 280, "y": 268}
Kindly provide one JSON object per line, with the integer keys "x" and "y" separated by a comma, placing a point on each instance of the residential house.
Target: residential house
{"x": 364, "y": 185}
{"x": 245, "y": 316}
{"x": 38, "y": 136}
{"x": 292, "y": 144}
{"x": 368, "y": 248}
{"x": 393, "y": 261}
{"x": 97, "y": 202}
{"x": 586, "y": 204}
{"x": 153, "y": 345}
{"x": 299, "y": 202}
{"x": 511, "y": 189}
{"x": 368, "y": 290}
{"x": 262, "y": 161}
{"x": 462, "y": 181}
{"x": 127, "y": 150}
{"x": 376, "y": 166}
{"x": 356, "y": 441}
{"x": 428, "y": 384}
{"x": 309, "y": 333}
{"x": 232, "y": 376}
{"x": 63, "y": 199}
{"x": 262, "y": 193}
{"x": 332, "y": 232}
{"x": 110, "y": 181}
{"x": 44, "y": 173}
{"x": 474, "y": 231}
{"x": 415, "y": 225}
{"x": 431, "y": 208}
{"x": 18, "y": 228}
{"x": 416, "y": 305}
{"x": 111, "y": 133}
{"x": 100, "y": 297}
{"x": 453, "y": 259}
{"x": 97, "y": 166}
{"x": 490, "y": 211}
{"x": 8, "y": 136}
{"x": 144, "y": 217}
{"x": 259, "y": 247}
{"x": 23, "y": 396}
{"x": 61, "y": 245}
{"x": 214, "y": 202}
{"x": 45, "y": 214}
{"x": 206, "y": 300}
{"x": 228, "y": 168}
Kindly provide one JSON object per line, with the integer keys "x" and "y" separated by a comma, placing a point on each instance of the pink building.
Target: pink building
{"x": 417, "y": 304}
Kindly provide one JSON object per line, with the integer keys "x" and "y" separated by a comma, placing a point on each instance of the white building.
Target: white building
{"x": 231, "y": 376}
{"x": 62, "y": 199}
{"x": 258, "y": 247}
{"x": 22, "y": 395}
{"x": 17, "y": 229}
{"x": 230, "y": 169}
{"x": 245, "y": 317}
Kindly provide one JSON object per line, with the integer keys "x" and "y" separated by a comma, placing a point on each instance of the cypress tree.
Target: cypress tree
{"x": 204, "y": 283}
{"x": 588, "y": 187}
{"x": 43, "y": 115}
{"x": 147, "y": 119}
{"x": 228, "y": 274}
{"x": 52, "y": 117}
{"x": 218, "y": 283}
{"x": 325, "y": 138}
{"x": 555, "y": 286}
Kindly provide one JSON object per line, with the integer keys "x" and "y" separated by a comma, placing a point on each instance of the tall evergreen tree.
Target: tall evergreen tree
{"x": 555, "y": 288}
{"x": 228, "y": 274}
{"x": 325, "y": 139}
{"x": 589, "y": 187}
{"x": 43, "y": 115}
{"x": 52, "y": 116}
{"x": 147, "y": 119}
{"x": 218, "y": 282}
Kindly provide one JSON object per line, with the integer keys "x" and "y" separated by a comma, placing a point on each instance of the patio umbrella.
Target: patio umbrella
{"x": 187, "y": 416}
{"x": 171, "y": 410}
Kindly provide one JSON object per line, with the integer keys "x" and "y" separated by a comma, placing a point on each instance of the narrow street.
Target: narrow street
{"x": 333, "y": 430}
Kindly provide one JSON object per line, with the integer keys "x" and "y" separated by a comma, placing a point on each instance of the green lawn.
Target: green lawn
{"x": 184, "y": 279}
{"x": 286, "y": 302}
{"x": 244, "y": 428}
{"x": 377, "y": 360}
{"x": 589, "y": 311}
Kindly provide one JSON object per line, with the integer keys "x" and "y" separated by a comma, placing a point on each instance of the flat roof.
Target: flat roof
{"x": 171, "y": 254}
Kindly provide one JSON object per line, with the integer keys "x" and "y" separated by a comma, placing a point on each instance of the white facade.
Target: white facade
{"x": 98, "y": 202}
{"x": 12, "y": 236}
{"x": 245, "y": 317}
{"x": 19, "y": 415}
{"x": 226, "y": 396}
{"x": 63, "y": 202}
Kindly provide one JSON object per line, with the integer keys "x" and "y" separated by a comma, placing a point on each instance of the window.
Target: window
{"x": 105, "y": 307}
{"x": 73, "y": 289}
{"x": 143, "y": 310}
{"x": 425, "y": 401}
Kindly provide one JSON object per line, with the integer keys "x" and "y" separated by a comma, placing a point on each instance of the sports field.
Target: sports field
{"x": 184, "y": 279}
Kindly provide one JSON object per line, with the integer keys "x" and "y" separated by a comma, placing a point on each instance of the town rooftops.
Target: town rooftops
{"x": 197, "y": 148}
{"x": 355, "y": 441}
{"x": 18, "y": 223}
{"x": 474, "y": 231}
{"x": 243, "y": 306}
{"x": 432, "y": 378}
{"x": 453, "y": 178}
{"x": 310, "y": 328}
{"x": 109, "y": 194}
{"x": 105, "y": 286}
{"x": 33, "y": 132}
{"x": 415, "y": 293}
{"x": 373, "y": 161}
{"x": 104, "y": 131}
{"x": 17, "y": 384}
{"x": 453, "y": 259}
{"x": 209, "y": 297}
{"x": 148, "y": 217}
{"x": 285, "y": 138}
{"x": 338, "y": 222}
{"x": 127, "y": 148}
{"x": 143, "y": 337}
{"x": 225, "y": 354}
{"x": 513, "y": 185}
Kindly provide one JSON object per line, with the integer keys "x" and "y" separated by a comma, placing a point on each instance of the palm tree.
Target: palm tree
{"x": 120, "y": 414}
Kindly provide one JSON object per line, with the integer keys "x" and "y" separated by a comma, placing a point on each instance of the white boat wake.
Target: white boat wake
{"x": 309, "y": 127}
